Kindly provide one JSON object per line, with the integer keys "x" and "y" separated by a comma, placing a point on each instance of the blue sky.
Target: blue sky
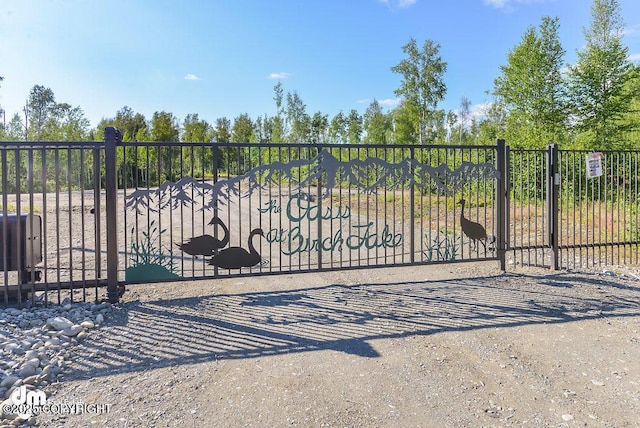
{"x": 222, "y": 58}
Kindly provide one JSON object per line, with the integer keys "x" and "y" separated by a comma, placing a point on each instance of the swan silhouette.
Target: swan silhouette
{"x": 238, "y": 257}
{"x": 206, "y": 245}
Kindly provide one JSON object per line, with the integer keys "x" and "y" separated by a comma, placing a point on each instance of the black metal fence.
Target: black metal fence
{"x": 563, "y": 216}
{"x": 51, "y": 240}
{"x": 79, "y": 216}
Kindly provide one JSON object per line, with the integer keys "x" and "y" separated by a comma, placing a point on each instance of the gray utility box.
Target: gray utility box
{"x": 23, "y": 247}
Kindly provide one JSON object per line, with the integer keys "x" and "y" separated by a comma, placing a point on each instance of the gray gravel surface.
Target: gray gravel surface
{"x": 441, "y": 346}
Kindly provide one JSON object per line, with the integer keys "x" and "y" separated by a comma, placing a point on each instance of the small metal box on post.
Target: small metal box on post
{"x": 21, "y": 247}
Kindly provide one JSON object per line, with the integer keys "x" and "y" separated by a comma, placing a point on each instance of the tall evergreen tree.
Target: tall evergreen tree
{"x": 598, "y": 79}
{"x": 376, "y": 124}
{"x": 531, "y": 88}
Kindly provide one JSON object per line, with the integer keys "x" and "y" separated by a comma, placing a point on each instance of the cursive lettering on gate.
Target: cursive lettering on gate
{"x": 300, "y": 209}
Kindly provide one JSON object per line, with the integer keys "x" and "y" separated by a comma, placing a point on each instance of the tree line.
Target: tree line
{"x": 536, "y": 99}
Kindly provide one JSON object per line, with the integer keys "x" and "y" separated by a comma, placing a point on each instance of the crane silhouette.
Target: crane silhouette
{"x": 238, "y": 257}
{"x": 474, "y": 231}
{"x": 206, "y": 245}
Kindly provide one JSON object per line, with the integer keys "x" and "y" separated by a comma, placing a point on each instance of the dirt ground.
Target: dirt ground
{"x": 459, "y": 345}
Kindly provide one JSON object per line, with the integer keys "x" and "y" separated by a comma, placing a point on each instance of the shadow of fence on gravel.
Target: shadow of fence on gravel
{"x": 338, "y": 317}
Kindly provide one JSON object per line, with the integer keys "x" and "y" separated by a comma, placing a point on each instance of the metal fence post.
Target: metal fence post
{"x": 501, "y": 202}
{"x": 112, "y": 137}
{"x": 553, "y": 185}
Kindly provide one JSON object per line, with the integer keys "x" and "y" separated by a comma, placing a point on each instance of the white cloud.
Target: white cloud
{"x": 480, "y": 110}
{"x": 399, "y": 3}
{"x": 281, "y": 75}
{"x": 389, "y": 102}
{"x": 634, "y": 57}
{"x": 496, "y": 3}
{"x": 631, "y": 31}
{"x": 507, "y": 5}
{"x": 190, "y": 76}
{"x": 406, "y": 3}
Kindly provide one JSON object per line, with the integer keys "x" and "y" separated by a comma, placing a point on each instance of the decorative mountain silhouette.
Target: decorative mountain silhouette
{"x": 324, "y": 168}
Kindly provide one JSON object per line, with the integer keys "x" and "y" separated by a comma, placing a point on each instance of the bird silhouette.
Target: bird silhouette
{"x": 474, "y": 231}
{"x": 206, "y": 245}
{"x": 238, "y": 257}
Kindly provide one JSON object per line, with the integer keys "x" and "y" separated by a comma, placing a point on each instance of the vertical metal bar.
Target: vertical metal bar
{"x": 5, "y": 226}
{"x": 43, "y": 173}
{"x": 319, "y": 193}
{"x": 31, "y": 262}
{"x": 412, "y": 208}
{"x": 507, "y": 202}
{"x": 124, "y": 175}
{"x": 112, "y": 137}
{"x": 216, "y": 159}
{"x": 81, "y": 183}
{"x": 621, "y": 180}
{"x": 501, "y": 202}
{"x": 97, "y": 217}
{"x": 552, "y": 203}
{"x": 70, "y": 228}
{"x": 18, "y": 242}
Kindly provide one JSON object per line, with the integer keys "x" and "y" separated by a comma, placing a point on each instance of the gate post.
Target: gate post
{"x": 112, "y": 137}
{"x": 553, "y": 185}
{"x": 501, "y": 202}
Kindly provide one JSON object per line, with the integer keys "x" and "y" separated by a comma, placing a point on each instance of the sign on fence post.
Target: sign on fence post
{"x": 594, "y": 164}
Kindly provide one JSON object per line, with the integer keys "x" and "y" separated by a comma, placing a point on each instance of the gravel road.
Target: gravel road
{"x": 460, "y": 345}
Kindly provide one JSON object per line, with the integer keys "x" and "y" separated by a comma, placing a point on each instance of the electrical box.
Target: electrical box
{"x": 20, "y": 242}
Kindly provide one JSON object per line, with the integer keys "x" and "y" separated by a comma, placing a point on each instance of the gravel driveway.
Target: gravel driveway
{"x": 438, "y": 346}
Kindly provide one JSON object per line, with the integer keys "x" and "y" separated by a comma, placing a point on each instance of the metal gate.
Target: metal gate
{"x": 195, "y": 210}
{"x": 80, "y": 216}
{"x": 570, "y": 209}
{"x": 51, "y": 231}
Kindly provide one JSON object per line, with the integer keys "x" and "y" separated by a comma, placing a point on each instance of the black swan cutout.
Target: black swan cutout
{"x": 206, "y": 245}
{"x": 238, "y": 257}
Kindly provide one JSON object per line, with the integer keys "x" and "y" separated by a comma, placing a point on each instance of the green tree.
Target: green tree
{"x": 597, "y": 81}
{"x": 297, "y": 120}
{"x": 463, "y": 117}
{"x": 242, "y": 129}
{"x": 405, "y": 123}
{"x": 376, "y": 124}
{"x": 68, "y": 124}
{"x": 41, "y": 107}
{"x": 532, "y": 90}
{"x": 422, "y": 81}
{"x": 452, "y": 119}
{"x": 354, "y": 127}
{"x": 164, "y": 127}
{"x": 195, "y": 130}
{"x": 222, "y": 131}
{"x": 199, "y": 159}
{"x": 130, "y": 124}
{"x": 319, "y": 128}
{"x": 278, "y": 129}
{"x": 15, "y": 129}
{"x": 338, "y": 129}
